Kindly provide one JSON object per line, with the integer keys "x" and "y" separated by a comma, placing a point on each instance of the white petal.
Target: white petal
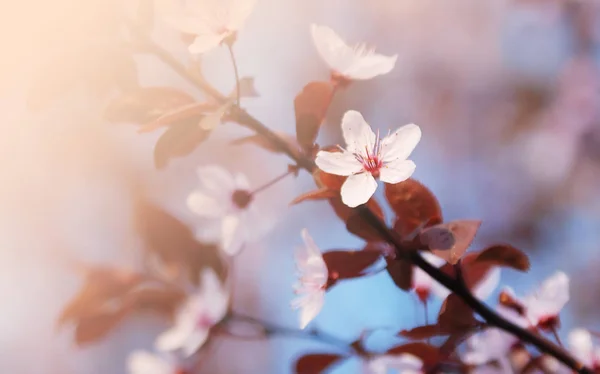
{"x": 142, "y": 362}
{"x": 357, "y": 133}
{"x": 205, "y": 42}
{"x": 331, "y": 47}
{"x": 338, "y": 163}
{"x": 241, "y": 182}
{"x": 174, "y": 338}
{"x": 405, "y": 363}
{"x": 205, "y": 205}
{"x": 358, "y": 189}
{"x": 239, "y": 11}
{"x": 397, "y": 171}
{"x": 581, "y": 345}
{"x": 196, "y": 339}
{"x": 209, "y": 230}
{"x": 312, "y": 305}
{"x": 370, "y": 65}
{"x": 420, "y": 278}
{"x": 400, "y": 144}
{"x": 549, "y": 299}
{"x": 309, "y": 243}
{"x": 439, "y": 290}
{"x": 214, "y": 295}
{"x": 216, "y": 179}
{"x": 488, "y": 284}
{"x": 231, "y": 236}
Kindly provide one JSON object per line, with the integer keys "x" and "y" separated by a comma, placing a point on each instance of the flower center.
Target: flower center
{"x": 371, "y": 158}
{"x": 241, "y": 198}
{"x": 204, "y": 322}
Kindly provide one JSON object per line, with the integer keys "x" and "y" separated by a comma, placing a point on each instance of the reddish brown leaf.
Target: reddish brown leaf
{"x": 164, "y": 301}
{"x": 473, "y": 271}
{"x": 174, "y": 243}
{"x": 179, "y": 140}
{"x": 425, "y": 332}
{"x": 349, "y": 264}
{"x": 455, "y": 315}
{"x": 462, "y": 233}
{"x": 429, "y": 354}
{"x": 331, "y": 181}
{"x": 146, "y": 104}
{"x": 401, "y": 272}
{"x": 316, "y": 363}
{"x": 187, "y": 113}
{"x": 320, "y": 194}
{"x": 413, "y": 204}
{"x": 311, "y": 107}
{"x": 264, "y": 143}
{"x": 505, "y": 255}
{"x": 96, "y": 326}
{"x": 102, "y": 286}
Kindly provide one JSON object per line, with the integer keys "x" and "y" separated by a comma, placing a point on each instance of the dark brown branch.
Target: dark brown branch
{"x": 302, "y": 161}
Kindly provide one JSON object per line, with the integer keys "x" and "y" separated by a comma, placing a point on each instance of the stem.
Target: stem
{"x": 269, "y": 184}
{"x": 390, "y": 236}
{"x": 555, "y": 333}
{"x": 273, "y": 329}
{"x": 235, "y": 70}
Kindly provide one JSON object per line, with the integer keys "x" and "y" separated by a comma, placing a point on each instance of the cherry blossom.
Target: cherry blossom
{"x": 349, "y": 62}
{"x": 368, "y": 157}
{"x": 581, "y": 345}
{"x": 142, "y": 362}
{"x": 209, "y": 21}
{"x": 225, "y": 204}
{"x": 194, "y": 320}
{"x": 401, "y": 364}
{"x": 313, "y": 276}
{"x": 424, "y": 285}
{"x": 541, "y": 308}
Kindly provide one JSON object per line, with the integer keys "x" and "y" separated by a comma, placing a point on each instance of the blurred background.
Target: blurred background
{"x": 505, "y": 91}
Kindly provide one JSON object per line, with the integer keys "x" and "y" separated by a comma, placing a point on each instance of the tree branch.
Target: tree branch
{"x": 389, "y": 235}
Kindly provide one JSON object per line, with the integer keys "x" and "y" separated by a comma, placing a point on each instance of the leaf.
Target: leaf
{"x": 331, "y": 181}
{"x": 264, "y": 143}
{"x": 174, "y": 243}
{"x": 473, "y": 271}
{"x": 247, "y": 88}
{"x": 94, "y": 327}
{"x": 214, "y": 119}
{"x": 401, "y": 272}
{"x": 102, "y": 286}
{"x": 349, "y": 264}
{"x": 455, "y": 315}
{"x": 320, "y": 194}
{"x": 178, "y": 141}
{"x": 429, "y": 354}
{"x": 462, "y": 233}
{"x": 164, "y": 301}
{"x": 505, "y": 255}
{"x": 316, "y": 363}
{"x": 311, "y": 107}
{"x": 413, "y": 204}
{"x": 425, "y": 332}
{"x": 193, "y": 112}
{"x": 146, "y": 104}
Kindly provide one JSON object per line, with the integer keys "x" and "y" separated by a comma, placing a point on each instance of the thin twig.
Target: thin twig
{"x": 235, "y": 70}
{"x": 389, "y": 235}
{"x": 272, "y": 182}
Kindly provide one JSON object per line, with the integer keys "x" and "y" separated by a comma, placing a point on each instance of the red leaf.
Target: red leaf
{"x": 193, "y": 112}
{"x": 146, "y": 104}
{"x": 316, "y": 363}
{"x": 94, "y": 327}
{"x": 413, "y": 204}
{"x": 320, "y": 194}
{"x": 505, "y": 255}
{"x": 331, "y": 181}
{"x": 462, "y": 233}
{"x": 264, "y": 143}
{"x": 429, "y": 354}
{"x": 473, "y": 271}
{"x": 425, "y": 332}
{"x": 349, "y": 264}
{"x": 311, "y": 107}
{"x": 164, "y": 301}
{"x": 401, "y": 272}
{"x": 455, "y": 315}
{"x": 179, "y": 140}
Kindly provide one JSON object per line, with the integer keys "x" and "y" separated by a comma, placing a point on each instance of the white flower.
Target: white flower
{"x": 210, "y": 21}
{"x": 581, "y": 345}
{"x": 195, "y": 319}
{"x": 313, "y": 276}
{"x": 424, "y": 285}
{"x": 142, "y": 362}
{"x": 542, "y": 307}
{"x": 366, "y": 157}
{"x": 401, "y": 364}
{"x": 350, "y": 62}
{"x": 492, "y": 344}
{"x": 226, "y": 205}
